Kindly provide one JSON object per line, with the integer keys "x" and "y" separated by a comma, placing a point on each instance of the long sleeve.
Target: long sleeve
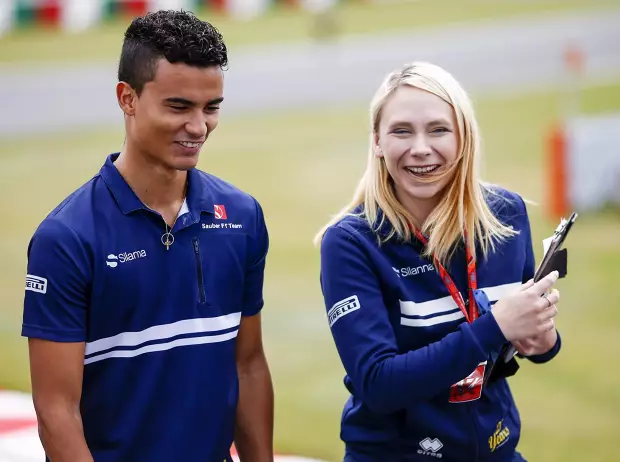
{"x": 383, "y": 379}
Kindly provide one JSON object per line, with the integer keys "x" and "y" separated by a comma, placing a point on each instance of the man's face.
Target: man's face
{"x": 176, "y": 113}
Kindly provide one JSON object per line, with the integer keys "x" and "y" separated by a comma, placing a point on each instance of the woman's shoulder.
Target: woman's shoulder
{"x": 352, "y": 224}
{"x": 505, "y": 204}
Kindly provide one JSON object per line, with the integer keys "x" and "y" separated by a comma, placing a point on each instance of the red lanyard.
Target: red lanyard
{"x": 451, "y": 286}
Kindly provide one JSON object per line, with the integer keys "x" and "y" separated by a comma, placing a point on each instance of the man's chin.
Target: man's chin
{"x": 185, "y": 164}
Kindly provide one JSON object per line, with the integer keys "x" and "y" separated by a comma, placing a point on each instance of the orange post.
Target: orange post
{"x": 557, "y": 187}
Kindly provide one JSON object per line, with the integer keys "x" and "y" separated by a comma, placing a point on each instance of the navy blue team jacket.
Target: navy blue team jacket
{"x": 403, "y": 342}
{"x": 160, "y": 376}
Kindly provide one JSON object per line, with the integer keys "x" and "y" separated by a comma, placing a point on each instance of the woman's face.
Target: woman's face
{"x": 417, "y": 135}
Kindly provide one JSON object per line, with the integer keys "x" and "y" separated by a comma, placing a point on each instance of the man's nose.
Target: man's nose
{"x": 196, "y": 125}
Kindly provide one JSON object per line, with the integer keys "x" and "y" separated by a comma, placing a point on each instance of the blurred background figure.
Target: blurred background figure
{"x": 544, "y": 77}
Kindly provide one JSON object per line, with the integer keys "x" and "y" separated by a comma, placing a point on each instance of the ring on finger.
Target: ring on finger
{"x": 548, "y": 301}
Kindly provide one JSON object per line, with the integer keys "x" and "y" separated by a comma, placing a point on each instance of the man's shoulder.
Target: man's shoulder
{"x": 221, "y": 187}
{"x": 71, "y": 214}
{"x": 225, "y": 193}
{"x": 79, "y": 200}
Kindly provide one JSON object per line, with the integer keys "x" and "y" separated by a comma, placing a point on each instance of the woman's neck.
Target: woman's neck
{"x": 419, "y": 208}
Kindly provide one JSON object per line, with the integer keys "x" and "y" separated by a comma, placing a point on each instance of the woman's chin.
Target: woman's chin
{"x": 422, "y": 191}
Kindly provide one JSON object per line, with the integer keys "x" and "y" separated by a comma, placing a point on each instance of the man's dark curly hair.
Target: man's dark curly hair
{"x": 178, "y": 36}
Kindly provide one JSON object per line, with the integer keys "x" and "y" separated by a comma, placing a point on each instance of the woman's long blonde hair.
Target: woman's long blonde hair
{"x": 464, "y": 202}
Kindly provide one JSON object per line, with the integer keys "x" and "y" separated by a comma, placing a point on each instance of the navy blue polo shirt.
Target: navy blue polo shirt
{"x": 160, "y": 378}
{"x": 403, "y": 342}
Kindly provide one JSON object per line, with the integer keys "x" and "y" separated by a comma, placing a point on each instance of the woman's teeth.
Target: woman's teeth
{"x": 422, "y": 170}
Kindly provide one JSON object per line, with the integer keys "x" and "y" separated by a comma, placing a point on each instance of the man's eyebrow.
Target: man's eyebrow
{"x": 176, "y": 100}
{"x": 186, "y": 102}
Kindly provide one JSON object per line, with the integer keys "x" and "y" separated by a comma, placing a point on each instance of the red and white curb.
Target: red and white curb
{"x": 19, "y": 439}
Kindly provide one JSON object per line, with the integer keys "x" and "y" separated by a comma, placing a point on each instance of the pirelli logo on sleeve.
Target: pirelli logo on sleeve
{"x": 36, "y": 283}
{"x": 342, "y": 308}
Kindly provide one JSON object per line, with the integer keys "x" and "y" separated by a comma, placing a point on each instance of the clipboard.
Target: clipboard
{"x": 555, "y": 255}
{"x": 555, "y": 258}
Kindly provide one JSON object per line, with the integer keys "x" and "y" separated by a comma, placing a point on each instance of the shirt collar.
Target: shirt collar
{"x": 198, "y": 195}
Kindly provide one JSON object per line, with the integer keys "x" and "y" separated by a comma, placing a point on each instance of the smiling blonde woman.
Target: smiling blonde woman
{"x": 426, "y": 276}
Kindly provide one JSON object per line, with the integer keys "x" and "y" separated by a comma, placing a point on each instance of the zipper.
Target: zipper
{"x": 201, "y": 283}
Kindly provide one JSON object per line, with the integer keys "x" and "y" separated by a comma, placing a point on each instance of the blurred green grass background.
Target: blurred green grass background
{"x": 303, "y": 166}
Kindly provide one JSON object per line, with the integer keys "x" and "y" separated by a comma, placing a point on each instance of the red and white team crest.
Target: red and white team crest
{"x": 220, "y": 212}
{"x": 470, "y": 388}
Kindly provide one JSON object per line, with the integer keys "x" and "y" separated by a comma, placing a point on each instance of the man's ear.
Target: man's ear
{"x": 126, "y": 97}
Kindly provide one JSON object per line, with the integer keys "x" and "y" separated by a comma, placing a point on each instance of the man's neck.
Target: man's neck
{"x": 159, "y": 188}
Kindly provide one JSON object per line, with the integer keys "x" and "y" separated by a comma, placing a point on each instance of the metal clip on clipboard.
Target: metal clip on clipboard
{"x": 555, "y": 258}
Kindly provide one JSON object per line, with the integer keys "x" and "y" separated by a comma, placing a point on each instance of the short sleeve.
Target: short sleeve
{"x": 57, "y": 285}
{"x": 255, "y": 268}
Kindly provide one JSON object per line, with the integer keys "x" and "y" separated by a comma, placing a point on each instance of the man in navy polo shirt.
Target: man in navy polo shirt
{"x": 144, "y": 286}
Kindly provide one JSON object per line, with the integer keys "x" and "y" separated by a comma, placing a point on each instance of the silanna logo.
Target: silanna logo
{"x": 413, "y": 270}
{"x": 114, "y": 260}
